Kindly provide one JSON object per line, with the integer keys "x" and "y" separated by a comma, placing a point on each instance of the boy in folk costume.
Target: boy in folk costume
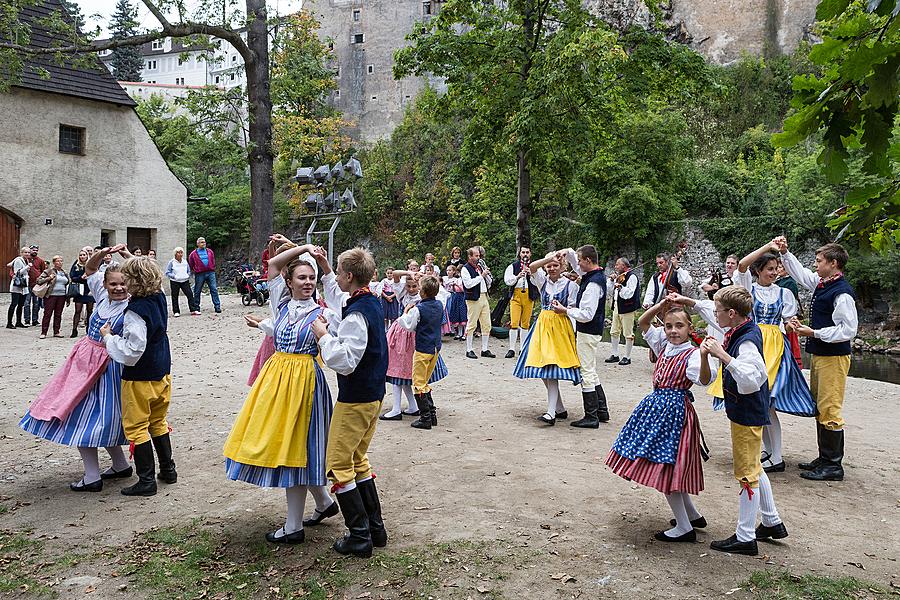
{"x": 588, "y": 313}
{"x": 425, "y": 319}
{"x": 746, "y": 384}
{"x": 626, "y": 300}
{"x": 143, "y": 348}
{"x": 833, "y": 325}
{"x": 523, "y": 294}
{"x": 356, "y": 348}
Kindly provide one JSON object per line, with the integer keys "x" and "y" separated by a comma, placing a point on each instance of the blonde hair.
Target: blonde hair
{"x": 359, "y": 262}
{"x": 55, "y": 257}
{"x": 736, "y": 298}
{"x": 113, "y": 268}
{"x": 142, "y": 276}
{"x": 429, "y": 286}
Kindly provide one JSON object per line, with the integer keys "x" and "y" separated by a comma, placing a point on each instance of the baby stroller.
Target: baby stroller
{"x": 251, "y": 286}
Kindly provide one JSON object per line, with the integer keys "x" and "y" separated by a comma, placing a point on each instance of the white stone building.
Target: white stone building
{"x": 78, "y": 167}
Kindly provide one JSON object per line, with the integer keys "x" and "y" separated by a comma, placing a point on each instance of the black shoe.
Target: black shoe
{"x": 113, "y": 474}
{"x": 358, "y": 541}
{"x": 411, "y": 414}
{"x": 471, "y": 354}
{"x": 510, "y": 354}
{"x": 602, "y": 410}
{"x": 562, "y": 416}
{"x": 218, "y": 310}
{"x": 163, "y": 445}
{"x": 397, "y": 417}
{"x": 625, "y": 361}
{"x": 146, "y": 471}
{"x": 775, "y": 532}
{"x": 74, "y": 332}
{"x": 372, "y": 504}
{"x": 81, "y": 486}
{"x": 318, "y": 517}
{"x": 10, "y": 326}
{"x": 488, "y": 354}
{"x": 775, "y": 468}
{"x": 591, "y": 406}
{"x": 698, "y": 523}
{"x": 286, "y": 538}
{"x": 546, "y": 418}
{"x": 811, "y": 465}
{"x": 690, "y": 536}
{"x": 424, "y": 420}
{"x": 820, "y": 443}
{"x": 824, "y": 472}
{"x": 432, "y": 408}
{"x": 733, "y": 546}
{"x": 612, "y": 359}
{"x": 21, "y": 325}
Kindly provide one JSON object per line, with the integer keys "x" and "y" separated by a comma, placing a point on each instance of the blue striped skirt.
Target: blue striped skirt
{"x": 314, "y": 471}
{"x": 522, "y": 371}
{"x": 95, "y": 423}
{"x": 440, "y": 371}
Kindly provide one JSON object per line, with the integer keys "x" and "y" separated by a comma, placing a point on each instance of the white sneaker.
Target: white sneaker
{"x": 195, "y": 312}
{"x": 176, "y": 314}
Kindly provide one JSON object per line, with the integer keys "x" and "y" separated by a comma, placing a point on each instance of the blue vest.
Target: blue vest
{"x": 472, "y": 293}
{"x": 428, "y": 331}
{"x": 533, "y": 292}
{"x": 156, "y": 361}
{"x": 595, "y": 325}
{"x": 366, "y": 382}
{"x": 820, "y": 316}
{"x": 745, "y": 409}
{"x": 629, "y": 305}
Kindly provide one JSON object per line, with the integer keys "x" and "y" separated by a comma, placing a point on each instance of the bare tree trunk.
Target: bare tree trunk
{"x": 262, "y": 185}
{"x": 523, "y": 202}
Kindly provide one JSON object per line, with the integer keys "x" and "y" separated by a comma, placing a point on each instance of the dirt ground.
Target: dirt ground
{"x": 490, "y": 473}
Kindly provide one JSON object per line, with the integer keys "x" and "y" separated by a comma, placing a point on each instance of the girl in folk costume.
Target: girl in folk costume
{"x": 456, "y": 304}
{"x": 548, "y": 351}
{"x": 389, "y": 298}
{"x": 773, "y": 306}
{"x": 81, "y": 405}
{"x": 659, "y": 446}
{"x": 402, "y": 347}
{"x": 280, "y": 435}
{"x": 267, "y": 347}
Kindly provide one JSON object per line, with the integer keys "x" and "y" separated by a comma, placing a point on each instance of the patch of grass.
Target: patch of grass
{"x": 783, "y": 585}
{"x": 21, "y": 558}
{"x": 200, "y": 561}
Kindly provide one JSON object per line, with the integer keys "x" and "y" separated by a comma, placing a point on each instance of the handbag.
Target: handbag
{"x": 73, "y": 290}
{"x": 20, "y": 281}
{"x": 42, "y": 290}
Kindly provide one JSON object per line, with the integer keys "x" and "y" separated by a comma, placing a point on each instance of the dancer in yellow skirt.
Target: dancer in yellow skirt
{"x": 280, "y": 435}
{"x": 549, "y": 352}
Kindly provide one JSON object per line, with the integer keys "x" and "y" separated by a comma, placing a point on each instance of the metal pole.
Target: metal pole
{"x": 331, "y": 230}
{"x": 309, "y": 232}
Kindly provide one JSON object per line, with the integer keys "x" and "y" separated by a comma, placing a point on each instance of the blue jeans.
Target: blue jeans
{"x": 208, "y": 278}
{"x": 33, "y": 306}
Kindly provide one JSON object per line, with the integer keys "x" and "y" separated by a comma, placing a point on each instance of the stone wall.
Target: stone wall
{"x": 65, "y": 201}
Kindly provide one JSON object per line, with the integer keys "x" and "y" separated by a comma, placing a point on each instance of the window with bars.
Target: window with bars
{"x": 359, "y": 38}
{"x": 356, "y": 15}
{"x": 71, "y": 139}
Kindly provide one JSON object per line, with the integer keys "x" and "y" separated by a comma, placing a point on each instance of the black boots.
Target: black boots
{"x": 370, "y": 501}
{"x": 602, "y": 410}
{"x": 591, "y": 408}
{"x": 358, "y": 541}
{"x": 813, "y": 464}
{"x": 831, "y": 453}
{"x": 427, "y": 414}
{"x": 146, "y": 472}
{"x": 163, "y": 447}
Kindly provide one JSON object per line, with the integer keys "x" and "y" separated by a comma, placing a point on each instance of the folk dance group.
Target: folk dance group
{"x": 115, "y": 385}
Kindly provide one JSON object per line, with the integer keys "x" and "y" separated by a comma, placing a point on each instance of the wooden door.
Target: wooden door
{"x": 9, "y": 244}
{"x": 138, "y": 238}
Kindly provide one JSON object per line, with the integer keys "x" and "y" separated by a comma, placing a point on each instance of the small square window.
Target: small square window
{"x": 359, "y": 38}
{"x": 426, "y": 8}
{"x": 156, "y": 45}
{"x": 356, "y": 15}
{"x": 370, "y": 69}
{"x": 337, "y": 72}
{"x": 374, "y": 98}
{"x": 337, "y": 94}
{"x": 331, "y": 45}
{"x": 217, "y": 79}
{"x": 180, "y": 61}
{"x": 71, "y": 139}
{"x": 232, "y": 76}
{"x": 234, "y": 59}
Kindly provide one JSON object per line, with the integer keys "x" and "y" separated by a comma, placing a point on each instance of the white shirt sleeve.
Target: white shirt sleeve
{"x": 538, "y": 278}
{"x": 693, "y": 368}
{"x": 95, "y": 285}
{"x": 707, "y": 311}
{"x": 745, "y": 279}
{"x": 748, "y": 369}
{"x": 343, "y": 352}
{"x": 790, "y": 304}
{"x": 128, "y": 347}
{"x": 656, "y": 339}
{"x": 572, "y": 259}
{"x": 470, "y": 282}
{"x": 334, "y": 297}
{"x": 801, "y": 274}
{"x": 685, "y": 279}
{"x": 846, "y": 321}
{"x": 590, "y": 300}
{"x": 630, "y": 287}
{"x": 277, "y": 290}
{"x": 648, "y": 293}
{"x": 509, "y": 278}
{"x": 410, "y": 320}
{"x": 267, "y": 326}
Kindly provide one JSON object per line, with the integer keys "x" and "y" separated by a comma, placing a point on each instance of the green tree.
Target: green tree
{"x": 853, "y": 105}
{"x": 126, "y": 60}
